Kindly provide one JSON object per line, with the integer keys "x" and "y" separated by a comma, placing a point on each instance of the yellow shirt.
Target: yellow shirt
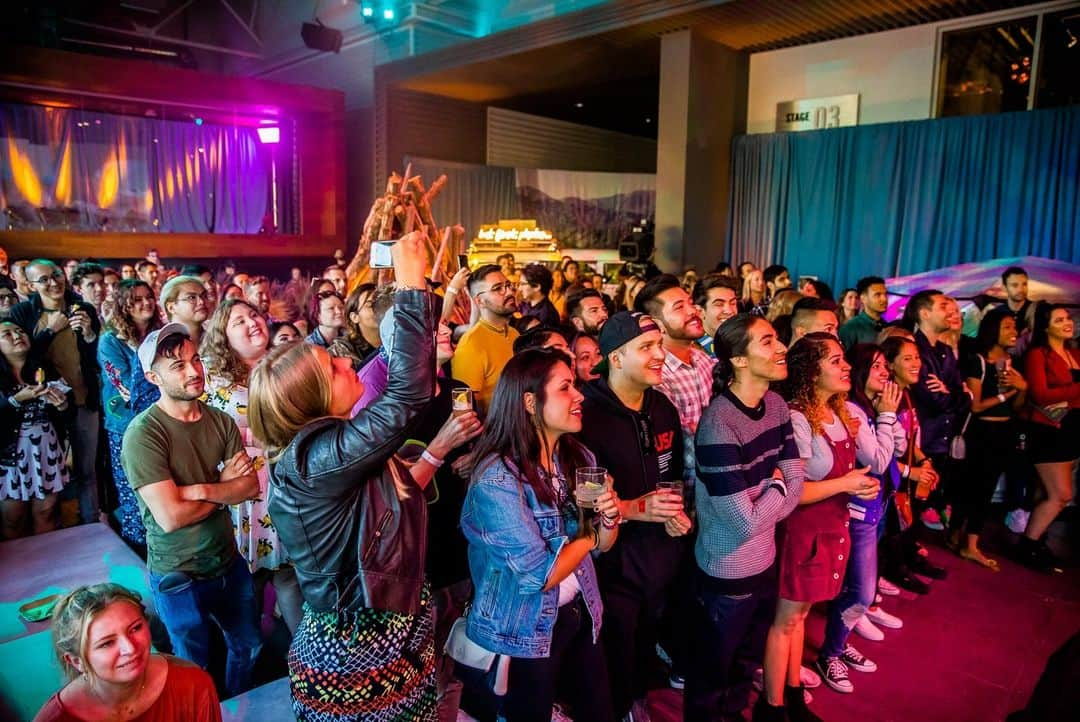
{"x": 480, "y": 357}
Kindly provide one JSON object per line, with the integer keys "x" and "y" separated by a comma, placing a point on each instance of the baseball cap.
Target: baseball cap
{"x": 149, "y": 347}
{"x": 620, "y": 329}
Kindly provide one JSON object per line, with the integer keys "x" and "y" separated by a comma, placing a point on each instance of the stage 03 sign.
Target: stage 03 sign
{"x": 818, "y": 113}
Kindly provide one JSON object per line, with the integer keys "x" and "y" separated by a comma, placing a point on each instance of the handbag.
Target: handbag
{"x": 463, "y": 650}
{"x": 957, "y": 446}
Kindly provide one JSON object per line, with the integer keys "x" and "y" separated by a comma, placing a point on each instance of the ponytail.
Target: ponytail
{"x": 732, "y": 339}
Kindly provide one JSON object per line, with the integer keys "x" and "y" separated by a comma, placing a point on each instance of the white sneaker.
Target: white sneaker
{"x": 866, "y": 629}
{"x": 1017, "y": 520}
{"x": 880, "y": 616}
{"x": 809, "y": 678}
{"x": 887, "y": 588}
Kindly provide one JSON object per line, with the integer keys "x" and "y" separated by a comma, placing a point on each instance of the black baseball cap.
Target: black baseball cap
{"x": 622, "y": 328}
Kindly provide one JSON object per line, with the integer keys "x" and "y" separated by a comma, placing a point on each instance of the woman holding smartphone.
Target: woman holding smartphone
{"x": 537, "y": 603}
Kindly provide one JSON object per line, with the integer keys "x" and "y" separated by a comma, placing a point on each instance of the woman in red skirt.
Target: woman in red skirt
{"x": 813, "y": 542}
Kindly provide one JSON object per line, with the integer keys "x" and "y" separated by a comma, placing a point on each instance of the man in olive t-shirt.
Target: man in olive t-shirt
{"x": 186, "y": 463}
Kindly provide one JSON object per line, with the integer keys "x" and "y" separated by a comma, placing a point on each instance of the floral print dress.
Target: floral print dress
{"x": 256, "y": 537}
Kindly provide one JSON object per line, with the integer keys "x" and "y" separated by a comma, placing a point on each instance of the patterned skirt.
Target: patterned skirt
{"x": 127, "y": 508}
{"x": 40, "y": 464}
{"x": 372, "y": 665}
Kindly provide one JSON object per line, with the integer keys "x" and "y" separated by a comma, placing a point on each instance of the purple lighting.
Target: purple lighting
{"x": 269, "y": 135}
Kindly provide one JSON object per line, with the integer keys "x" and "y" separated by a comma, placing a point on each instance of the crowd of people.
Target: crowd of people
{"x": 515, "y": 493}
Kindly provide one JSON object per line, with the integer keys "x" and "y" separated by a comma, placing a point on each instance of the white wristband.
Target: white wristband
{"x": 1001, "y": 398}
{"x": 431, "y": 459}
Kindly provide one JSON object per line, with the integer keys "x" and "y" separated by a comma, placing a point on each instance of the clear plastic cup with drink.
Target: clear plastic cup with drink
{"x": 670, "y": 487}
{"x": 590, "y": 483}
{"x": 462, "y": 398}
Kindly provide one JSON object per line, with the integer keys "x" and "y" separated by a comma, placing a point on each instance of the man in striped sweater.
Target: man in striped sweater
{"x": 749, "y": 478}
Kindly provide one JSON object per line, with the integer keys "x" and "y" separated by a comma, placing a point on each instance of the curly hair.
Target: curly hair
{"x": 798, "y": 389}
{"x": 121, "y": 323}
{"x": 218, "y": 356}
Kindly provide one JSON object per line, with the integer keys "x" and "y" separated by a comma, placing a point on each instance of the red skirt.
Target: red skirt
{"x": 814, "y": 546}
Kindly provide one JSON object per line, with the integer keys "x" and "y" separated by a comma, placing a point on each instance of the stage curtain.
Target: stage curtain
{"x": 901, "y": 198}
{"x": 474, "y": 195}
{"x": 71, "y": 169}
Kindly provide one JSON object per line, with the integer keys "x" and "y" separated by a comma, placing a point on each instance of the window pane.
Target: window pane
{"x": 986, "y": 69}
{"x": 1059, "y": 82}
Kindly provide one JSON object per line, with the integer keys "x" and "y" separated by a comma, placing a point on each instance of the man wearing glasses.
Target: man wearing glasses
{"x": 65, "y": 330}
{"x": 486, "y": 347}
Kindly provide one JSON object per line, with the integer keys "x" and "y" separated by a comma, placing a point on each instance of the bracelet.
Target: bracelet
{"x": 610, "y": 522}
{"x": 1002, "y": 398}
{"x": 431, "y": 458}
{"x": 450, "y": 291}
{"x": 906, "y": 474}
{"x": 596, "y": 538}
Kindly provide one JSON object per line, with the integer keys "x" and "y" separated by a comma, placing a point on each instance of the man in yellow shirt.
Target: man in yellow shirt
{"x": 487, "y": 346}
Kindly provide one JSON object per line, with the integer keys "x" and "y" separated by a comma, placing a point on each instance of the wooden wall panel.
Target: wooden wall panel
{"x": 520, "y": 140}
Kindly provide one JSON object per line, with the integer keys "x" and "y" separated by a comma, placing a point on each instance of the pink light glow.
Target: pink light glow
{"x": 269, "y": 135}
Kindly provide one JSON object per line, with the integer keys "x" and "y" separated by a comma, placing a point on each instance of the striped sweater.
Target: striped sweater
{"x": 737, "y": 451}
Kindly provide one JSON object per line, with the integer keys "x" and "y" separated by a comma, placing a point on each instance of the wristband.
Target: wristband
{"x": 1002, "y": 398}
{"x": 610, "y": 522}
{"x": 431, "y": 458}
{"x": 450, "y": 291}
{"x": 14, "y": 401}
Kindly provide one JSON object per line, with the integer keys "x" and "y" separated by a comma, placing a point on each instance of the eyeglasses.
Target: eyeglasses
{"x": 7, "y": 297}
{"x": 193, "y": 297}
{"x": 57, "y": 276}
{"x": 498, "y": 288}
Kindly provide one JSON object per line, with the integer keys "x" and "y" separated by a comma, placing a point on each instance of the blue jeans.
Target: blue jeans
{"x": 860, "y": 587}
{"x": 187, "y": 606}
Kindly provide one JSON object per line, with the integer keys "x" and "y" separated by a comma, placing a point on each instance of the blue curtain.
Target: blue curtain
{"x": 69, "y": 169}
{"x": 900, "y": 198}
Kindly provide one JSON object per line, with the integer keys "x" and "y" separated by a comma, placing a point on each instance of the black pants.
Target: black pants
{"x": 990, "y": 444}
{"x": 629, "y": 634}
{"x": 727, "y": 645}
{"x": 575, "y": 672}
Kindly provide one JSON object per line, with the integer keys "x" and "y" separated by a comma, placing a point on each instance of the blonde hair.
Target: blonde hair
{"x": 72, "y": 616}
{"x": 171, "y": 290}
{"x": 782, "y": 304}
{"x": 288, "y": 389}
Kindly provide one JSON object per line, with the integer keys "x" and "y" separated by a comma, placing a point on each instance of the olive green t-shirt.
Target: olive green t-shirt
{"x": 157, "y": 447}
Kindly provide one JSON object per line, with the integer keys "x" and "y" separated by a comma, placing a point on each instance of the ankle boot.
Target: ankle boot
{"x": 795, "y": 702}
{"x": 765, "y": 712}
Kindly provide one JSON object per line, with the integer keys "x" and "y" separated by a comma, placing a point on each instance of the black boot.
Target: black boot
{"x": 795, "y": 701}
{"x": 1036, "y": 555}
{"x": 922, "y": 565}
{"x": 765, "y": 712}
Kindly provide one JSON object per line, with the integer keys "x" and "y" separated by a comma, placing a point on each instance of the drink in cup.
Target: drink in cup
{"x": 670, "y": 487}
{"x": 462, "y": 398}
{"x": 590, "y": 484}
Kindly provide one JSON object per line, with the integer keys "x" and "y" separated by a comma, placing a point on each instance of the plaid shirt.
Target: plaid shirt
{"x": 689, "y": 386}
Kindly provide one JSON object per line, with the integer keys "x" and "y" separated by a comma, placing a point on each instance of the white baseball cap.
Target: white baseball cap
{"x": 149, "y": 347}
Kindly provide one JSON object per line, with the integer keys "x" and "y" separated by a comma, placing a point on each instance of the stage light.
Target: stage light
{"x": 198, "y": 121}
{"x": 367, "y": 11}
{"x": 388, "y": 14}
{"x": 269, "y": 135}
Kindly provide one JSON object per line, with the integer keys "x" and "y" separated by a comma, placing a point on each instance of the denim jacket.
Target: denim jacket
{"x": 513, "y": 542}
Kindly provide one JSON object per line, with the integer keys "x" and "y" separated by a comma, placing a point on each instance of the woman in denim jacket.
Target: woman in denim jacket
{"x": 537, "y": 601}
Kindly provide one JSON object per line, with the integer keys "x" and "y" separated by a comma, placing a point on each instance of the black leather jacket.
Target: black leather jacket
{"x": 353, "y": 543}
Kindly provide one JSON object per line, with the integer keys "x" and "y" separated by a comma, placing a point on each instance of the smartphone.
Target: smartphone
{"x": 380, "y": 254}
{"x": 462, "y": 261}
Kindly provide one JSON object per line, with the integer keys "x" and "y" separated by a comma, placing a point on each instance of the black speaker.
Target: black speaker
{"x": 320, "y": 37}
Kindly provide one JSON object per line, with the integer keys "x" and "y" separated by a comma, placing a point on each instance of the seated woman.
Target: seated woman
{"x": 537, "y": 603}
{"x": 32, "y": 456}
{"x": 364, "y": 649}
{"x": 102, "y": 639}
